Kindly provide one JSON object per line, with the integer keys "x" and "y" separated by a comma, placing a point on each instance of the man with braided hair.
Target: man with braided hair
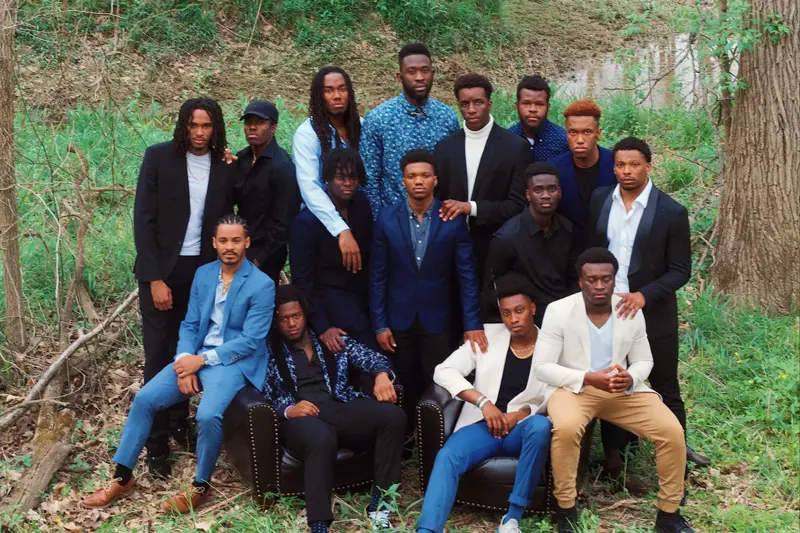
{"x": 221, "y": 348}
{"x": 184, "y": 188}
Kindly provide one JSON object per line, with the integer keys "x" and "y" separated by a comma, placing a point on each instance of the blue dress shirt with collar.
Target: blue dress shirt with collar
{"x": 550, "y": 142}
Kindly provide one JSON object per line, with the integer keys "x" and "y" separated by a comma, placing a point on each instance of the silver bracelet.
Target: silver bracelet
{"x": 481, "y": 402}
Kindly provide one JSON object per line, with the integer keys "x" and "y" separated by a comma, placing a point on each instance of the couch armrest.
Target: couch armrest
{"x": 437, "y": 414}
{"x": 252, "y": 443}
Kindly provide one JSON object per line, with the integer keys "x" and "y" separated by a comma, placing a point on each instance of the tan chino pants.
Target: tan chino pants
{"x": 642, "y": 413}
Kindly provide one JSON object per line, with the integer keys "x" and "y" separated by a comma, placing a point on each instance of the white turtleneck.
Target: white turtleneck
{"x": 474, "y": 144}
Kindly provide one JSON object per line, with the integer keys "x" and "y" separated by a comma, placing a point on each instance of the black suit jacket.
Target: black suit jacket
{"x": 661, "y": 260}
{"x": 499, "y": 188}
{"x": 161, "y": 210}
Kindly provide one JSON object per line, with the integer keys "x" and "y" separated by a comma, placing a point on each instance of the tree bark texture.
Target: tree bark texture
{"x": 9, "y": 228}
{"x": 758, "y": 253}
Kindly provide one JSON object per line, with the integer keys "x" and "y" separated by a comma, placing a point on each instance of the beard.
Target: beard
{"x": 412, "y": 92}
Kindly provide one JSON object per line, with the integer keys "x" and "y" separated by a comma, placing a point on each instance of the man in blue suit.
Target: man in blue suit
{"x": 415, "y": 255}
{"x": 221, "y": 347}
{"x": 584, "y": 168}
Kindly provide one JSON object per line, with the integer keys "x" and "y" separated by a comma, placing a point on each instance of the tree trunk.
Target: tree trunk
{"x": 758, "y": 254}
{"x": 9, "y": 229}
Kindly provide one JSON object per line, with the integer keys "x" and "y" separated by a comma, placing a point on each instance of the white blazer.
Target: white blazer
{"x": 451, "y": 374}
{"x": 563, "y": 355}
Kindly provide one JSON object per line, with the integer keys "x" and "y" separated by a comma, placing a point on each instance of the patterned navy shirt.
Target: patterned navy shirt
{"x": 419, "y": 232}
{"x": 391, "y": 130}
{"x": 551, "y": 141}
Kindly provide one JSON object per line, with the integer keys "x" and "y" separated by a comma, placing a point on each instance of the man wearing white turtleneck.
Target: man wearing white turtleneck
{"x": 480, "y": 168}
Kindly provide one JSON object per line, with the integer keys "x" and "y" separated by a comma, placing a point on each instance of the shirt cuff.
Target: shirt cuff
{"x": 473, "y": 208}
{"x": 212, "y": 358}
{"x": 338, "y": 226}
{"x": 286, "y": 411}
{"x": 181, "y": 356}
{"x": 381, "y": 330}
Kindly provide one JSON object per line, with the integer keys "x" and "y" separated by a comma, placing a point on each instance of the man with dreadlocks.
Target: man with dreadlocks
{"x": 183, "y": 189}
{"x": 333, "y": 122}
{"x": 221, "y": 349}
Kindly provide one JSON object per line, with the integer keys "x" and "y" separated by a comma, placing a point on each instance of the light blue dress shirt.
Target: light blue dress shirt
{"x": 307, "y": 156}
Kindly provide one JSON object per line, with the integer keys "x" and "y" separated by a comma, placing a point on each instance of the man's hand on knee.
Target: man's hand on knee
{"x": 189, "y": 385}
{"x": 303, "y": 408}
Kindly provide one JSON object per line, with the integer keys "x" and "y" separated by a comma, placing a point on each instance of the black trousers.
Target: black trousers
{"x": 415, "y": 358}
{"x": 358, "y": 426}
{"x": 664, "y": 380}
{"x": 160, "y": 338}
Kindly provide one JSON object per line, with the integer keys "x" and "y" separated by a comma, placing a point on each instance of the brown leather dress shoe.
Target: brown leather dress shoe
{"x": 185, "y": 501}
{"x": 100, "y": 499}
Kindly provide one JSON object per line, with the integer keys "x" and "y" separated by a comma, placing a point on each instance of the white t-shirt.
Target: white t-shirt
{"x": 198, "y": 170}
{"x": 601, "y": 343}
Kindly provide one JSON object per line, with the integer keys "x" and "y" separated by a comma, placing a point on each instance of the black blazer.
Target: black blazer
{"x": 161, "y": 210}
{"x": 499, "y": 187}
{"x": 661, "y": 260}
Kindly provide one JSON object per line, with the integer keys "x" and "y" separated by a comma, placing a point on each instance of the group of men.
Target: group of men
{"x": 423, "y": 252}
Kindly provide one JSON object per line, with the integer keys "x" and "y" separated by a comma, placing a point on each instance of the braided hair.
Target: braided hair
{"x": 233, "y": 220}
{"x": 180, "y": 138}
{"x": 318, "y": 111}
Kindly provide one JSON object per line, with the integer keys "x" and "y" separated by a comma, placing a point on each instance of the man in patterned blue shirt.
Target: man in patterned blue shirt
{"x": 547, "y": 139}
{"x": 408, "y": 121}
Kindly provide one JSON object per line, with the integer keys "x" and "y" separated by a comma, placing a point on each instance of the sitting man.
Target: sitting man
{"x": 499, "y": 416}
{"x": 338, "y": 297}
{"x": 309, "y": 386}
{"x": 596, "y": 363}
{"x": 221, "y": 348}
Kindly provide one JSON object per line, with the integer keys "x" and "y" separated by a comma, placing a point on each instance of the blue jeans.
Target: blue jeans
{"x": 219, "y": 384}
{"x": 470, "y": 446}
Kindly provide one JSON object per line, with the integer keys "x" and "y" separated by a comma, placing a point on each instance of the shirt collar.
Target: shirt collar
{"x": 534, "y": 227}
{"x": 428, "y": 212}
{"x": 481, "y": 133}
{"x": 643, "y": 197}
{"x": 409, "y": 108}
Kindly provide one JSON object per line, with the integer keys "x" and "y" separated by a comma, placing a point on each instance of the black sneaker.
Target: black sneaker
{"x": 672, "y": 523}
{"x": 567, "y": 520}
{"x": 185, "y": 438}
{"x": 159, "y": 466}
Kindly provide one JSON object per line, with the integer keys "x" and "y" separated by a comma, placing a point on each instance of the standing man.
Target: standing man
{"x": 596, "y": 362}
{"x": 333, "y": 122}
{"x": 480, "y": 167}
{"x": 339, "y": 298}
{"x": 184, "y": 187}
{"x": 415, "y": 255}
{"x": 585, "y": 167}
{"x": 221, "y": 349}
{"x": 538, "y": 243}
{"x": 547, "y": 139}
{"x": 648, "y": 233}
{"x": 407, "y": 121}
{"x": 266, "y": 190}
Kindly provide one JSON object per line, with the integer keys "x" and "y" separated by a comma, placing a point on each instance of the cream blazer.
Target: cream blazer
{"x": 563, "y": 356}
{"x": 451, "y": 374}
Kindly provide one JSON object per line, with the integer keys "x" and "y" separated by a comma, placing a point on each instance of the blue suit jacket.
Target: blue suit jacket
{"x": 400, "y": 291}
{"x": 571, "y": 205}
{"x": 245, "y": 322}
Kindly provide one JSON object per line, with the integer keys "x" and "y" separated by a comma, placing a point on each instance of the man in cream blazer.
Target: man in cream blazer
{"x": 595, "y": 364}
{"x": 499, "y": 416}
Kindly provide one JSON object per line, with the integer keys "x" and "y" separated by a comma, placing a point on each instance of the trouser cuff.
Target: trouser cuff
{"x": 668, "y": 507}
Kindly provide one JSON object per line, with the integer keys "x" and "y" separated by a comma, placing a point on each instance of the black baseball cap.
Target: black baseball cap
{"x": 262, "y": 109}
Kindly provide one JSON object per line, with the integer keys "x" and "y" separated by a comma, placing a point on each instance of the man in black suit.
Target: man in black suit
{"x": 538, "y": 243}
{"x": 648, "y": 233}
{"x": 184, "y": 187}
{"x": 339, "y": 298}
{"x": 480, "y": 167}
{"x": 266, "y": 191}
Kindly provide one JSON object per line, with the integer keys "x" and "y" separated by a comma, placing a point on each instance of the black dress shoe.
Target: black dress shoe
{"x": 694, "y": 457}
{"x": 185, "y": 438}
{"x": 567, "y": 520}
{"x": 159, "y": 466}
{"x": 672, "y": 523}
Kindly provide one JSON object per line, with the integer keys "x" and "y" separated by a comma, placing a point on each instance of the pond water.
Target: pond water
{"x": 668, "y": 75}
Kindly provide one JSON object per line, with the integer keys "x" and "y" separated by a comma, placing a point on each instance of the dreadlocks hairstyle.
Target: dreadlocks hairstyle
{"x": 318, "y": 111}
{"x": 285, "y": 294}
{"x": 346, "y": 160}
{"x": 233, "y": 220}
{"x": 180, "y": 138}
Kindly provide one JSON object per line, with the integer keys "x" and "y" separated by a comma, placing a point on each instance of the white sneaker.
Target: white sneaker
{"x": 512, "y": 526}
{"x": 380, "y": 520}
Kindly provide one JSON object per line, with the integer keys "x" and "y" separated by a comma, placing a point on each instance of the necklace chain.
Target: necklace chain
{"x": 527, "y": 351}
{"x": 226, "y": 285}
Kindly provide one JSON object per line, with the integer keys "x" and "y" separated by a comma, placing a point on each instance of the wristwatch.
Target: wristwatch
{"x": 205, "y": 359}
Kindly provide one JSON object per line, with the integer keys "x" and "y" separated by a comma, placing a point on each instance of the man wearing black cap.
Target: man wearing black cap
{"x": 538, "y": 243}
{"x": 266, "y": 192}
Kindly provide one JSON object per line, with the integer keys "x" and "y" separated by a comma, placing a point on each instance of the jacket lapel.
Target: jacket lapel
{"x": 405, "y": 231}
{"x": 602, "y": 220}
{"x": 643, "y": 231}
{"x": 481, "y": 178}
{"x": 433, "y": 231}
{"x": 238, "y": 280}
{"x": 618, "y": 333}
{"x": 214, "y": 181}
{"x": 579, "y": 315}
{"x": 460, "y": 169}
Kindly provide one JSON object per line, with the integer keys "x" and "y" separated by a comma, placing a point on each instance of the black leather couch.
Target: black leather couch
{"x": 252, "y": 443}
{"x": 486, "y": 486}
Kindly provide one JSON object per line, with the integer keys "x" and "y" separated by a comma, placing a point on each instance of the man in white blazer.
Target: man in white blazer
{"x": 595, "y": 364}
{"x": 499, "y": 416}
